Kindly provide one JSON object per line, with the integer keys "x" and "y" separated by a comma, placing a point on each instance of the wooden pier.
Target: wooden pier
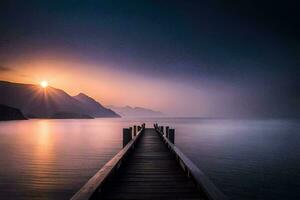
{"x": 149, "y": 166}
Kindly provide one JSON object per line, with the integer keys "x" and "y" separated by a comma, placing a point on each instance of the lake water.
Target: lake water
{"x": 246, "y": 159}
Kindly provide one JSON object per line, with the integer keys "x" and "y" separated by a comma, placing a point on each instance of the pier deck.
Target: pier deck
{"x": 149, "y": 166}
{"x": 151, "y": 172}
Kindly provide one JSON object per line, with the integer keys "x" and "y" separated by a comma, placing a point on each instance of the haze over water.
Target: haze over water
{"x": 246, "y": 159}
{"x": 231, "y": 59}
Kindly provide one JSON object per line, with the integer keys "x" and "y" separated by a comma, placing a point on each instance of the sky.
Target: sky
{"x": 184, "y": 58}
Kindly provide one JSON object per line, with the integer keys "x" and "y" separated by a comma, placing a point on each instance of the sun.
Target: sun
{"x": 44, "y": 84}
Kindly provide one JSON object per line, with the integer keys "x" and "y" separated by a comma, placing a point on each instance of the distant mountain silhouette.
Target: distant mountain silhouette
{"x": 128, "y": 111}
{"x": 10, "y": 113}
{"x": 37, "y": 102}
{"x": 94, "y": 108}
{"x": 67, "y": 115}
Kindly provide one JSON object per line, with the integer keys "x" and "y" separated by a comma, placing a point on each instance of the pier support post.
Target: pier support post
{"x": 171, "y": 135}
{"x": 167, "y": 131}
{"x": 127, "y": 136}
{"x": 134, "y": 130}
{"x": 139, "y": 128}
{"x": 161, "y": 128}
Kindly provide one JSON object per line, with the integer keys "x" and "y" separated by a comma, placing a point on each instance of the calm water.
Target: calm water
{"x": 246, "y": 159}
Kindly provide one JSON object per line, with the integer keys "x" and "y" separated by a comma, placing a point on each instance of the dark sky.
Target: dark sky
{"x": 248, "y": 51}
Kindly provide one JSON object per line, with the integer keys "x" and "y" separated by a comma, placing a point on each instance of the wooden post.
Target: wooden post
{"x": 171, "y": 135}
{"x": 161, "y": 128}
{"x": 167, "y": 131}
{"x": 139, "y": 128}
{"x": 134, "y": 130}
{"x": 127, "y": 136}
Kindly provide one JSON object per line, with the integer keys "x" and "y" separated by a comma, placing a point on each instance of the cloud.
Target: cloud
{"x": 5, "y": 69}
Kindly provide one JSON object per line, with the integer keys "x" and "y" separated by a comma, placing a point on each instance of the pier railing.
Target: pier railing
{"x": 191, "y": 170}
{"x": 109, "y": 169}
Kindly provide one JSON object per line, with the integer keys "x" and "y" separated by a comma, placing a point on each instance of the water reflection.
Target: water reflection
{"x": 51, "y": 159}
{"x": 44, "y": 140}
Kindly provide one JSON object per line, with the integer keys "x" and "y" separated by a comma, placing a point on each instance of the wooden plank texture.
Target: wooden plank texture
{"x": 149, "y": 172}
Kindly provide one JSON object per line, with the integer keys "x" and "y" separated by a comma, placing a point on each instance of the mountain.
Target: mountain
{"x": 10, "y": 113}
{"x": 68, "y": 115}
{"x": 128, "y": 111}
{"x": 37, "y": 102}
{"x": 94, "y": 108}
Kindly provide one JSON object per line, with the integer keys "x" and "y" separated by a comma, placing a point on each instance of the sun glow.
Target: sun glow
{"x": 44, "y": 84}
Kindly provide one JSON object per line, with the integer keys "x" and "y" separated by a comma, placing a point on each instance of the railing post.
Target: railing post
{"x": 161, "y": 128}
{"x": 167, "y": 131}
{"x": 134, "y": 130}
{"x": 171, "y": 135}
{"x": 127, "y": 136}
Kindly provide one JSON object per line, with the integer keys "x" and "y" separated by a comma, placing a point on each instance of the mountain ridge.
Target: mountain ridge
{"x": 94, "y": 106}
{"x": 10, "y": 113}
{"x": 128, "y": 111}
{"x": 37, "y": 102}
